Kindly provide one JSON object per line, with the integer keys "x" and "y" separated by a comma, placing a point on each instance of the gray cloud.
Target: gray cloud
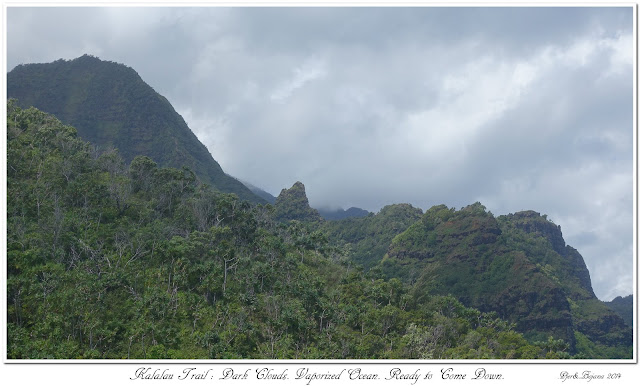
{"x": 519, "y": 108}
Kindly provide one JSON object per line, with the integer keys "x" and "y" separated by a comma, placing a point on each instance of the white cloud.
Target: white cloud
{"x": 310, "y": 70}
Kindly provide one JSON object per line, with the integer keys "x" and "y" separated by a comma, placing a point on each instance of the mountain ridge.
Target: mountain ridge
{"x": 517, "y": 265}
{"x": 110, "y": 262}
{"x": 341, "y": 214}
{"x": 111, "y": 106}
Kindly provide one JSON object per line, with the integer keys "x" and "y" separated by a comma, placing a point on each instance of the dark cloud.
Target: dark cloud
{"x": 519, "y": 108}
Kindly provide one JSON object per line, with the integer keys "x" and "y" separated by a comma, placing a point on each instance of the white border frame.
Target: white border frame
{"x": 41, "y": 370}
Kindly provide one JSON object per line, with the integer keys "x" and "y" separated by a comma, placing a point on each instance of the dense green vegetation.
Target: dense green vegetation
{"x": 341, "y": 214}
{"x": 367, "y": 239}
{"x": 544, "y": 246}
{"x": 112, "y": 107}
{"x": 137, "y": 245}
{"x": 623, "y": 306}
{"x": 109, "y": 260}
{"x": 292, "y": 204}
{"x": 517, "y": 266}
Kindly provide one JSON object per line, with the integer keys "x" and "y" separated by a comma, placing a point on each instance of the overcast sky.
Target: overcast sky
{"x": 518, "y": 108}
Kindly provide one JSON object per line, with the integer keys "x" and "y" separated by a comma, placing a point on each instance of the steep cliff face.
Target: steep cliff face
{"x": 292, "y": 204}
{"x": 463, "y": 253}
{"x": 533, "y": 223}
{"x": 543, "y": 244}
{"x": 516, "y": 265}
{"x": 544, "y": 238}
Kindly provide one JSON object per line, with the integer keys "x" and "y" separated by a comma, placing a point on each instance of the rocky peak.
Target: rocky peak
{"x": 293, "y": 204}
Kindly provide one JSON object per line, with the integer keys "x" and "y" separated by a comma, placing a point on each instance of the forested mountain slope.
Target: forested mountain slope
{"x": 124, "y": 252}
{"x": 111, "y": 106}
{"x": 516, "y": 265}
{"x": 623, "y": 306}
{"x": 368, "y": 238}
{"x": 341, "y": 214}
{"x": 106, "y": 260}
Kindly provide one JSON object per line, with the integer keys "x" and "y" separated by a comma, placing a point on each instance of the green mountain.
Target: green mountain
{"x": 292, "y": 204}
{"x": 623, "y": 306}
{"x": 111, "y": 106}
{"x": 109, "y": 261}
{"x": 125, "y": 254}
{"x": 516, "y": 265}
{"x": 368, "y": 238}
{"x": 341, "y": 214}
